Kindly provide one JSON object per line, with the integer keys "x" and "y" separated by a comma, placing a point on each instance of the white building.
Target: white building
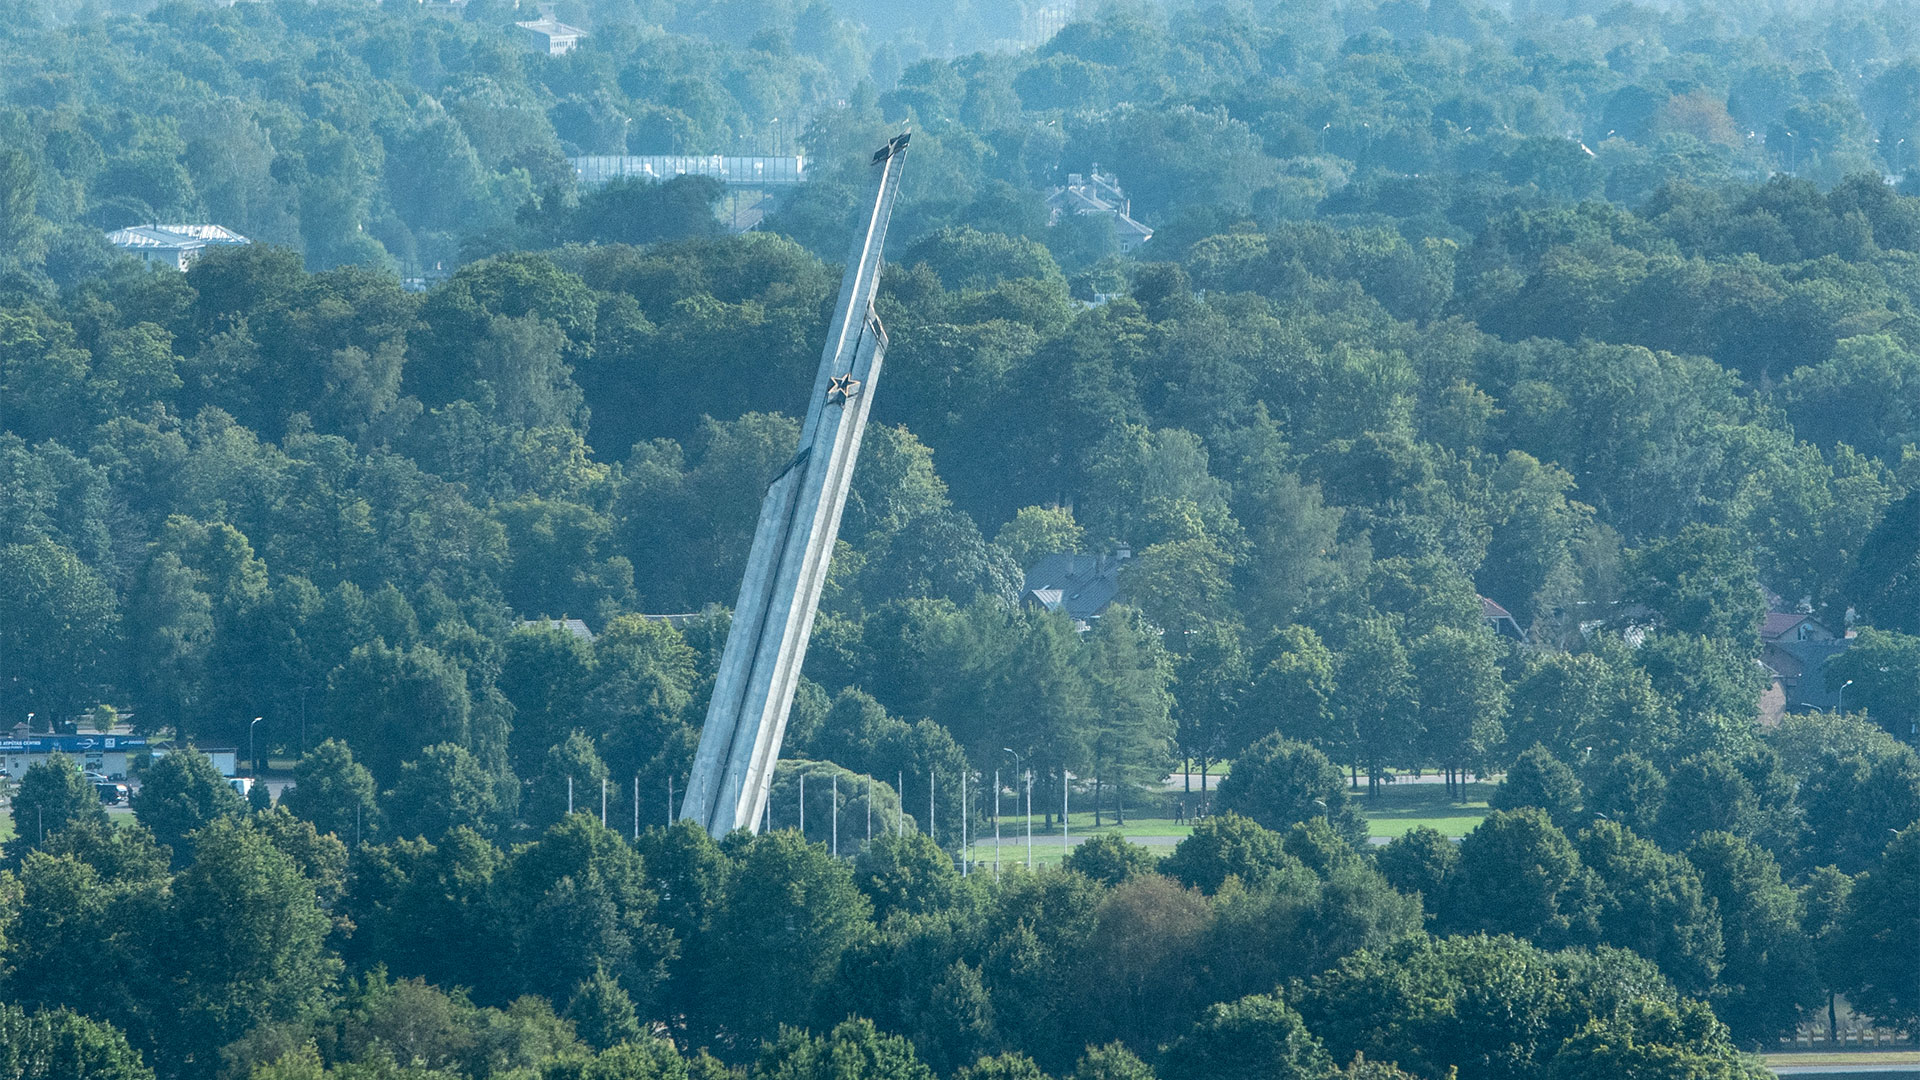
{"x": 172, "y": 245}
{"x": 743, "y": 171}
{"x": 550, "y": 36}
{"x": 226, "y": 759}
{"x": 105, "y": 754}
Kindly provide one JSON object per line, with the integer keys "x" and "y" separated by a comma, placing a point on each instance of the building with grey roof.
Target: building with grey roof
{"x": 1098, "y": 194}
{"x": 1081, "y": 586}
{"x": 1796, "y": 647}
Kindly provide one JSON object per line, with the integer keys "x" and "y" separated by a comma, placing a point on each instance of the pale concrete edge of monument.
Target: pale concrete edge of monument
{"x": 792, "y": 547}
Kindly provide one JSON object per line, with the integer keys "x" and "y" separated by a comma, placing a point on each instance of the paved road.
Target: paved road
{"x": 1073, "y": 840}
{"x": 1886, "y": 1071}
{"x": 1178, "y": 781}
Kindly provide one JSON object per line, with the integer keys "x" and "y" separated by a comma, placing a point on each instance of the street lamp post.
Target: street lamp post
{"x": 1021, "y": 764}
{"x": 253, "y": 757}
{"x": 1841, "y": 705}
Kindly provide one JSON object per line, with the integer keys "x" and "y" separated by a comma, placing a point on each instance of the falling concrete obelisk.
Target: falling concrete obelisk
{"x": 799, "y": 519}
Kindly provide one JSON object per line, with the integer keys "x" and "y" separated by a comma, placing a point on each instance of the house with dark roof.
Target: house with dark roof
{"x": 1081, "y": 586}
{"x": 1795, "y": 647}
{"x": 1098, "y": 194}
{"x": 1793, "y": 626}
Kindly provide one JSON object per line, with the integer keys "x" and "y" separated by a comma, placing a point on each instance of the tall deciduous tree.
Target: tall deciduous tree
{"x": 791, "y": 911}
{"x": 1702, "y": 581}
{"x": 1278, "y": 782}
{"x": 1377, "y": 696}
{"x": 1224, "y": 846}
{"x": 244, "y": 944}
{"x": 1884, "y": 668}
{"x": 60, "y": 629}
{"x": 1769, "y": 978}
{"x": 1254, "y": 1037}
{"x": 52, "y": 795}
{"x": 183, "y": 793}
{"x": 1293, "y": 693}
{"x": 1537, "y": 778}
{"x": 447, "y": 787}
{"x": 853, "y": 1050}
{"x": 388, "y": 703}
{"x": 1210, "y": 688}
{"x": 1463, "y": 697}
{"x": 579, "y": 883}
{"x": 59, "y": 1044}
{"x": 1646, "y": 900}
{"x": 334, "y": 792}
{"x": 1518, "y": 874}
{"x": 1882, "y": 931}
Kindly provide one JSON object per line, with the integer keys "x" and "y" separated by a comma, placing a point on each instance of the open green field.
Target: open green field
{"x": 1401, "y": 808}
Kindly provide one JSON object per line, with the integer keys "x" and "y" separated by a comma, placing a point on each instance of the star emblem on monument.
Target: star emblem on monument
{"x": 842, "y": 387}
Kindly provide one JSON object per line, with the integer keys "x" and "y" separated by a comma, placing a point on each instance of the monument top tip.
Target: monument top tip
{"x": 893, "y": 146}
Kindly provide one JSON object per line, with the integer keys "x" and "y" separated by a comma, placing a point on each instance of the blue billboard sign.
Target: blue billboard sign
{"x": 72, "y": 744}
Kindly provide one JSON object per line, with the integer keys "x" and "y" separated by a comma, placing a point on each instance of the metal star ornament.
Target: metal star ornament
{"x": 842, "y": 387}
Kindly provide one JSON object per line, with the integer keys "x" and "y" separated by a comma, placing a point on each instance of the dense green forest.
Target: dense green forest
{"x": 1609, "y": 313}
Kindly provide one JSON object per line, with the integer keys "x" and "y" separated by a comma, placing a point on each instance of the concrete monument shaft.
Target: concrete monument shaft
{"x": 787, "y": 567}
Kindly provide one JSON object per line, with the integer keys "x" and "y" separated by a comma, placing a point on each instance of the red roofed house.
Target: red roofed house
{"x": 1500, "y": 621}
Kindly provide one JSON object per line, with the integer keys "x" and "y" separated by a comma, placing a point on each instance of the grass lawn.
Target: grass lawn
{"x": 1400, "y": 808}
{"x": 6, "y": 826}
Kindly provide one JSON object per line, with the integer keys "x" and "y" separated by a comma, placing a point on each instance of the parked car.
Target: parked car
{"x": 113, "y": 794}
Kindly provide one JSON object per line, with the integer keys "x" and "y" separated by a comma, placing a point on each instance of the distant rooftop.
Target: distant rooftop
{"x": 729, "y": 169}
{"x": 174, "y": 237}
{"x": 1082, "y": 586}
{"x": 172, "y": 245}
{"x": 1098, "y": 194}
{"x": 548, "y": 35}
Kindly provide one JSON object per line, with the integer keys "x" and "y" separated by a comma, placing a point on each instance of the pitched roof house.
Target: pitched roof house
{"x": 1500, "y": 621}
{"x": 1097, "y": 193}
{"x": 1082, "y": 586}
{"x": 1797, "y": 647}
